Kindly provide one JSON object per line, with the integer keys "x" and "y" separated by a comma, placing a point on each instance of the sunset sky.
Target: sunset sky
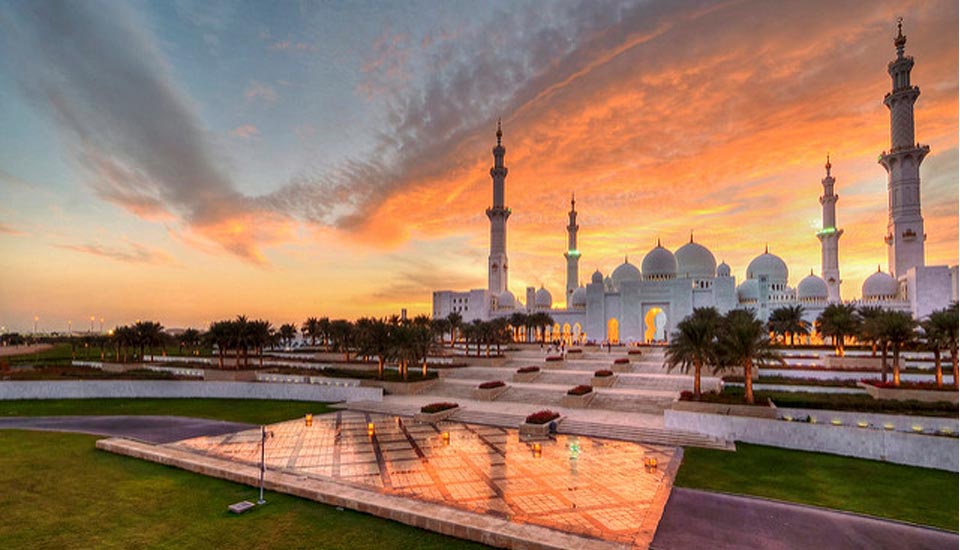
{"x": 189, "y": 161}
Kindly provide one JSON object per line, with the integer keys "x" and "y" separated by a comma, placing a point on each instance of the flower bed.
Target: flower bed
{"x": 905, "y": 385}
{"x": 574, "y": 350}
{"x": 488, "y": 391}
{"x": 582, "y": 389}
{"x": 621, "y": 364}
{"x": 553, "y": 358}
{"x": 790, "y": 381}
{"x": 541, "y": 417}
{"x": 578, "y": 397}
{"x": 435, "y": 412}
{"x": 634, "y": 352}
{"x": 621, "y": 361}
{"x": 604, "y": 378}
{"x": 437, "y": 407}
{"x": 526, "y": 374}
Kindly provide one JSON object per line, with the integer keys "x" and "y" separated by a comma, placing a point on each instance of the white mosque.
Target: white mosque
{"x": 632, "y": 305}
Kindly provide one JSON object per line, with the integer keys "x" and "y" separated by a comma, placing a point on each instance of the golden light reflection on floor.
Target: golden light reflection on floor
{"x": 593, "y": 487}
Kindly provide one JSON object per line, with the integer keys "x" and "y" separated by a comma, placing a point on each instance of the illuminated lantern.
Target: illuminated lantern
{"x": 308, "y": 420}
{"x": 370, "y": 429}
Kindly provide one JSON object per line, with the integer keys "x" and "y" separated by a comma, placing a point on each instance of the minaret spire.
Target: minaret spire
{"x": 498, "y": 214}
{"x": 829, "y": 236}
{"x": 905, "y": 234}
{"x": 573, "y": 253}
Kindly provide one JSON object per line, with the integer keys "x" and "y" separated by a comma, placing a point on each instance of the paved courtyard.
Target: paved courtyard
{"x": 588, "y": 487}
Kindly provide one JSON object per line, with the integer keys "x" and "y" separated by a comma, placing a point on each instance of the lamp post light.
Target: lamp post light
{"x": 91, "y": 323}
{"x": 101, "y": 325}
{"x": 264, "y": 434}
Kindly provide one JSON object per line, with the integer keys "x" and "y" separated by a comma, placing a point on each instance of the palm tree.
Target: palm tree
{"x": 189, "y": 339}
{"x": 240, "y": 338}
{"x": 288, "y": 333}
{"x": 953, "y": 325}
{"x": 936, "y": 337}
{"x": 422, "y": 338}
{"x": 311, "y": 329}
{"x": 261, "y": 336}
{"x": 743, "y": 341}
{"x": 456, "y": 321}
{"x": 341, "y": 332}
{"x": 500, "y": 333}
{"x": 149, "y": 334}
{"x": 870, "y": 326}
{"x": 838, "y": 321}
{"x": 439, "y": 327}
{"x": 541, "y": 320}
{"x": 325, "y": 325}
{"x": 518, "y": 320}
{"x": 899, "y": 329}
{"x": 220, "y": 334}
{"x": 694, "y": 343}
{"x": 374, "y": 340}
{"x": 789, "y": 320}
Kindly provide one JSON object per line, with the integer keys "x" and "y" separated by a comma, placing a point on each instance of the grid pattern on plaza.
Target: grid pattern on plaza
{"x": 593, "y": 487}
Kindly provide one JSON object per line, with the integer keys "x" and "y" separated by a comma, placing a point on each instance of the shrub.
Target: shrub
{"x": 574, "y": 350}
{"x": 634, "y": 352}
{"x": 524, "y": 370}
{"x": 621, "y": 361}
{"x": 542, "y": 417}
{"x": 492, "y": 384}
{"x": 437, "y": 407}
{"x": 582, "y": 389}
{"x": 686, "y": 396}
{"x": 554, "y": 358}
{"x": 603, "y": 373}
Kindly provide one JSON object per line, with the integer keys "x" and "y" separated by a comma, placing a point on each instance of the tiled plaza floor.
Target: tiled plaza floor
{"x": 593, "y": 487}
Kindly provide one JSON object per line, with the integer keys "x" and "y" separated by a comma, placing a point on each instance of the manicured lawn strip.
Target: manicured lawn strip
{"x": 60, "y": 492}
{"x": 253, "y": 411}
{"x": 916, "y": 495}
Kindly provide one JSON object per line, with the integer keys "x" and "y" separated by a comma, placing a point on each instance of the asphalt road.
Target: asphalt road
{"x": 699, "y": 519}
{"x": 152, "y": 429}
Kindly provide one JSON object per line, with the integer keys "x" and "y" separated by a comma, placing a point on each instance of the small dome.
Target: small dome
{"x": 878, "y": 286}
{"x": 812, "y": 288}
{"x": 597, "y": 277}
{"x": 723, "y": 270}
{"x": 506, "y": 300}
{"x": 659, "y": 263}
{"x": 625, "y": 272}
{"x": 770, "y": 265}
{"x": 579, "y": 298}
{"x": 748, "y": 291}
{"x": 695, "y": 261}
{"x": 543, "y": 298}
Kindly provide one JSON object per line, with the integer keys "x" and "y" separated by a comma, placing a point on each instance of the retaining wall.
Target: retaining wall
{"x": 928, "y": 451}
{"x": 89, "y": 389}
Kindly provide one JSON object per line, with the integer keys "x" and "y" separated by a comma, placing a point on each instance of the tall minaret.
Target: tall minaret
{"x": 573, "y": 253}
{"x": 905, "y": 234}
{"x": 829, "y": 237}
{"x": 498, "y": 214}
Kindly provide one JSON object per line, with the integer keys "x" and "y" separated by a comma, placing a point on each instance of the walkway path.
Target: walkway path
{"x": 700, "y": 519}
{"x": 153, "y": 429}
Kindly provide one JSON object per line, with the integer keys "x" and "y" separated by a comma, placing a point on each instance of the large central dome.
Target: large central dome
{"x": 659, "y": 263}
{"x": 768, "y": 265}
{"x": 694, "y": 261}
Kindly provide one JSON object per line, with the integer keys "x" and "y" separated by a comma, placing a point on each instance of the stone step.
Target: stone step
{"x": 643, "y": 435}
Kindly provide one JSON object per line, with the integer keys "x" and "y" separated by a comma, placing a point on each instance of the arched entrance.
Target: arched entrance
{"x": 613, "y": 331}
{"x": 655, "y": 325}
{"x": 567, "y": 336}
{"x": 578, "y": 334}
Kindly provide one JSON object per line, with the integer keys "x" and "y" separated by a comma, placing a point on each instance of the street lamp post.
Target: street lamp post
{"x": 264, "y": 434}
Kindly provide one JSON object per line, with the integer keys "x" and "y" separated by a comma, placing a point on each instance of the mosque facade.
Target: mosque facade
{"x": 634, "y": 305}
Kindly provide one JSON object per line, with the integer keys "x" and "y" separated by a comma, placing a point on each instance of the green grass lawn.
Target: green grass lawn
{"x": 917, "y": 495}
{"x": 253, "y": 411}
{"x": 60, "y": 492}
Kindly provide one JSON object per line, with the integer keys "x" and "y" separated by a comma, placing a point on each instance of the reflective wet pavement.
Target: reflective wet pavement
{"x": 593, "y": 487}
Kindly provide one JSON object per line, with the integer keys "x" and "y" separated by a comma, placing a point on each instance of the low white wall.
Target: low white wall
{"x": 88, "y": 389}
{"x": 901, "y": 422}
{"x": 902, "y": 448}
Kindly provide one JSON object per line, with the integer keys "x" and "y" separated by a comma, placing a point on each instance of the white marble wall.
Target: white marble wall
{"x": 89, "y": 389}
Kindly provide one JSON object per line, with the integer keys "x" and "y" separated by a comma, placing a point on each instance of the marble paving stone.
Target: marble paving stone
{"x": 580, "y": 485}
